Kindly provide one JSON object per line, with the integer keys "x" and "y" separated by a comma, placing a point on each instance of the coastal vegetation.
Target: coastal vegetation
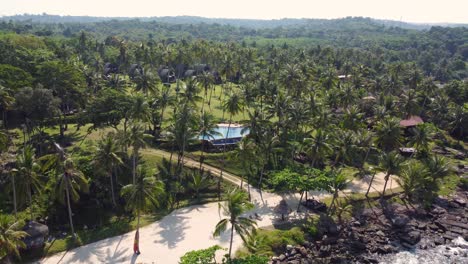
{"x": 101, "y": 121}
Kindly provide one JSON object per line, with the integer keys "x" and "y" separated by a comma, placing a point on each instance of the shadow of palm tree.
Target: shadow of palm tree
{"x": 173, "y": 230}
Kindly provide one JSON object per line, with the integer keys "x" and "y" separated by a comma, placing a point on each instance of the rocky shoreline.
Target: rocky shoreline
{"x": 375, "y": 233}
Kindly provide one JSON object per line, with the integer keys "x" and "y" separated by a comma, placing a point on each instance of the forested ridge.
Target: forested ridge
{"x": 86, "y": 106}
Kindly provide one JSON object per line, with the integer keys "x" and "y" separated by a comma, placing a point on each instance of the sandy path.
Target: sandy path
{"x": 189, "y": 228}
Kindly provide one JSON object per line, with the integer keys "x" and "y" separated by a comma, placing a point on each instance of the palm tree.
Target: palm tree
{"x": 421, "y": 137}
{"x": 390, "y": 163}
{"x": 136, "y": 138}
{"x": 198, "y": 182}
{"x": 145, "y": 82}
{"x": 208, "y": 130}
{"x": 317, "y": 146}
{"x": 237, "y": 203}
{"x": 28, "y": 171}
{"x": 388, "y": 134}
{"x": 206, "y": 81}
{"x": 337, "y": 183}
{"x": 107, "y": 156}
{"x": 140, "y": 109}
{"x": 143, "y": 193}
{"x": 10, "y": 237}
{"x": 233, "y": 105}
{"x": 164, "y": 100}
{"x": 6, "y": 101}
{"x": 70, "y": 183}
{"x": 411, "y": 177}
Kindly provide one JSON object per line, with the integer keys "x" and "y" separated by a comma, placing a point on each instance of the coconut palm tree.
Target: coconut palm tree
{"x": 10, "y": 237}
{"x": 107, "y": 157}
{"x": 136, "y": 138}
{"x": 70, "y": 183}
{"x": 421, "y": 137}
{"x": 411, "y": 178}
{"x": 198, "y": 182}
{"x": 317, "y": 146}
{"x": 6, "y": 102}
{"x": 390, "y": 163}
{"x": 388, "y": 134}
{"x": 140, "y": 110}
{"x": 164, "y": 100}
{"x": 233, "y": 105}
{"x": 337, "y": 182}
{"x": 237, "y": 203}
{"x": 28, "y": 171}
{"x": 207, "y": 130}
{"x": 140, "y": 195}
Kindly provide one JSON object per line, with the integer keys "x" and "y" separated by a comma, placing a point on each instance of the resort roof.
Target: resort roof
{"x": 411, "y": 121}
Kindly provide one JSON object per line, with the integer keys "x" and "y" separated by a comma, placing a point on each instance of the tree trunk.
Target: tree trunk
{"x": 112, "y": 188}
{"x": 202, "y": 155}
{"x": 67, "y": 191}
{"x": 300, "y": 199}
{"x": 370, "y": 184}
{"x": 230, "y": 243}
{"x": 332, "y": 204}
{"x": 134, "y": 166}
{"x": 15, "y": 209}
{"x": 224, "y": 158}
{"x": 385, "y": 185}
{"x": 30, "y": 202}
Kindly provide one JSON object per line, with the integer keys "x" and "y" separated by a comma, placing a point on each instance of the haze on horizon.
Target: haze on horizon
{"x": 418, "y": 11}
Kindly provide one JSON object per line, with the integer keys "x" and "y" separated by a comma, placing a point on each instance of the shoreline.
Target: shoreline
{"x": 377, "y": 235}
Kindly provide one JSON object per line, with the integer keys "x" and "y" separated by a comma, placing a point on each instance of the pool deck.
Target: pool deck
{"x": 233, "y": 125}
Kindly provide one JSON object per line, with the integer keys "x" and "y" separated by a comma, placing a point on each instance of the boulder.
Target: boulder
{"x": 411, "y": 237}
{"x": 400, "y": 221}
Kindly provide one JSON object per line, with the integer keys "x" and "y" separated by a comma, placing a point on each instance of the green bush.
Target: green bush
{"x": 311, "y": 225}
{"x": 252, "y": 259}
{"x": 271, "y": 242}
{"x": 463, "y": 183}
{"x": 202, "y": 256}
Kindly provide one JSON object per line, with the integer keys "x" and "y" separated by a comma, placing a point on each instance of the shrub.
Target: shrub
{"x": 202, "y": 256}
{"x": 252, "y": 259}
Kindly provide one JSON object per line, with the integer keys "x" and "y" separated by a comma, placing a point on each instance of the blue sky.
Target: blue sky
{"x": 454, "y": 11}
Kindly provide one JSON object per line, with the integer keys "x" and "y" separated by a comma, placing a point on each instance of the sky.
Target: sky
{"x": 420, "y": 11}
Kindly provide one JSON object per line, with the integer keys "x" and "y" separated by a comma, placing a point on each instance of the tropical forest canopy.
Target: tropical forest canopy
{"x": 316, "y": 95}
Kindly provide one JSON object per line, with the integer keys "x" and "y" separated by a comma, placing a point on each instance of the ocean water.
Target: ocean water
{"x": 234, "y": 132}
{"x": 454, "y": 253}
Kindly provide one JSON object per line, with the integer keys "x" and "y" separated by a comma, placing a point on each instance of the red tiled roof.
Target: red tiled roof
{"x": 411, "y": 121}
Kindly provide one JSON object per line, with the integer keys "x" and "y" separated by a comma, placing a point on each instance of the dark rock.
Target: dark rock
{"x": 368, "y": 259}
{"x": 438, "y": 210}
{"x": 400, "y": 221}
{"x": 303, "y": 251}
{"x": 460, "y": 201}
{"x": 412, "y": 237}
{"x": 324, "y": 250}
{"x": 439, "y": 240}
{"x": 386, "y": 249}
{"x": 406, "y": 245}
{"x": 358, "y": 245}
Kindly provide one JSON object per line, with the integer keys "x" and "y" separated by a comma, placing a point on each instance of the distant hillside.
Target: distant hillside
{"x": 249, "y": 23}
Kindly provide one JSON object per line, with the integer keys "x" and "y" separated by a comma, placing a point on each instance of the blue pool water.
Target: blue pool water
{"x": 234, "y": 132}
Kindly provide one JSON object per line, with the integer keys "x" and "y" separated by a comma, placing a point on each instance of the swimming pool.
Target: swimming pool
{"x": 235, "y": 131}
